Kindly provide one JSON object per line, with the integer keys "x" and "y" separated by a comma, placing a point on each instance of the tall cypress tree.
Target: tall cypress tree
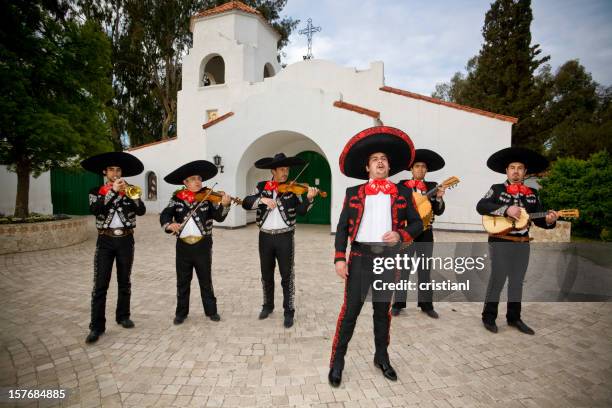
{"x": 503, "y": 81}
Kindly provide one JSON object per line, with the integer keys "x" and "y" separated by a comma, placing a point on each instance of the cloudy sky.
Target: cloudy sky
{"x": 423, "y": 42}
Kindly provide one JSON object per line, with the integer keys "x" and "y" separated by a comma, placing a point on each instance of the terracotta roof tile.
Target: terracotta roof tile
{"x": 230, "y": 5}
{"x": 358, "y": 109}
{"x": 449, "y": 104}
{"x": 131, "y": 149}
{"x": 215, "y": 121}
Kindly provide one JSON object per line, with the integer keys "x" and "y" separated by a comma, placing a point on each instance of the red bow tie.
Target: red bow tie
{"x": 380, "y": 186}
{"x": 186, "y": 195}
{"x": 106, "y": 188}
{"x": 418, "y": 184}
{"x": 518, "y": 188}
{"x": 271, "y": 185}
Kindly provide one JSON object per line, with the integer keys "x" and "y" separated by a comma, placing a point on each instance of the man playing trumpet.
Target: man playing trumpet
{"x": 115, "y": 205}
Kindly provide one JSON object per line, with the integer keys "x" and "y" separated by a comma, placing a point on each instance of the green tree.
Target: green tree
{"x": 502, "y": 78}
{"x": 454, "y": 90}
{"x": 503, "y": 81}
{"x": 54, "y": 86}
{"x": 149, "y": 40}
{"x": 576, "y": 120}
{"x": 585, "y": 185}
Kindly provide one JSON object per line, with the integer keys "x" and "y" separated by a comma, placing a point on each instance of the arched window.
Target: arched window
{"x": 268, "y": 70}
{"x": 212, "y": 71}
{"x": 151, "y": 180}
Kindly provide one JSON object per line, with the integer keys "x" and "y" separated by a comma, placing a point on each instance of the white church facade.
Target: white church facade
{"x": 238, "y": 105}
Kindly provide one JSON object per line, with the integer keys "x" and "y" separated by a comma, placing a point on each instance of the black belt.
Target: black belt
{"x": 116, "y": 232}
{"x": 375, "y": 249}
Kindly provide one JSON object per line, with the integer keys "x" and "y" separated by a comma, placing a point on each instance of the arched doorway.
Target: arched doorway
{"x": 317, "y": 174}
{"x": 267, "y": 145}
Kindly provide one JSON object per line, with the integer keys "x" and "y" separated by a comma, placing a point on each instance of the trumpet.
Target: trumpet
{"x": 131, "y": 191}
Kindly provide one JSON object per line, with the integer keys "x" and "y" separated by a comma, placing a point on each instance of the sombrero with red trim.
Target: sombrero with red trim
{"x": 391, "y": 141}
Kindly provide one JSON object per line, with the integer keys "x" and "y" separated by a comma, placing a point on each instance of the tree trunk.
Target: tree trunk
{"x": 166, "y": 124}
{"x": 23, "y": 189}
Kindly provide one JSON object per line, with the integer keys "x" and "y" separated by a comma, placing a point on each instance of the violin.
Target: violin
{"x": 214, "y": 197}
{"x": 297, "y": 189}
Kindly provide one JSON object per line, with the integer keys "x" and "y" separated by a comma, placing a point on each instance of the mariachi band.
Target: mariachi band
{"x": 377, "y": 214}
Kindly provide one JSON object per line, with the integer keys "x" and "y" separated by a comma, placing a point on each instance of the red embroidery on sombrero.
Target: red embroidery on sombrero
{"x": 373, "y": 130}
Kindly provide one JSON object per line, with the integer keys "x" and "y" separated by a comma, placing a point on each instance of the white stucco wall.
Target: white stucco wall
{"x": 40, "y": 192}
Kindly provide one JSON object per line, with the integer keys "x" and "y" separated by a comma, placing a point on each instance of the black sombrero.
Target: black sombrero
{"x": 533, "y": 161}
{"x": 130, "y": 165}
{"x": 432, "y": 159}
{"x": 279, "y": 160}
{"x": 202, "y": 168}
{"x": 396, "y": 144}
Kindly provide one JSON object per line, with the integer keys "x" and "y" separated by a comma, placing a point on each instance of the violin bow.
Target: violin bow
{"x": 296, "y": 177}
{"x": 194, "y": 210}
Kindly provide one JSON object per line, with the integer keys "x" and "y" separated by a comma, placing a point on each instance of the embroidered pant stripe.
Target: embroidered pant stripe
{"x": 338, "y": 326}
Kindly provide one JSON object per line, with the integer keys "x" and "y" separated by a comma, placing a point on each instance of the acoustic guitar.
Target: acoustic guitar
{"x": 424, "y": 205}
{"x": 498, "y": 224}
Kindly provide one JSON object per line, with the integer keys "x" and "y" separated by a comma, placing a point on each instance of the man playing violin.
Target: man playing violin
{"x": 189, "y": 216}
{"x": 276, "y": 215}
{"x": 115, "y": 220}
{"x": 425, "y": 161}
{"x": 376, "y": 216}
{"x": 510, "y": 252}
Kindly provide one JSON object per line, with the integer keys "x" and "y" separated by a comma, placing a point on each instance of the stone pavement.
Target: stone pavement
{"x": 241, "y": 361}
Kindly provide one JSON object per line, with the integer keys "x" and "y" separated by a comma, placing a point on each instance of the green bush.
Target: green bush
{"x": 585, "y": 185}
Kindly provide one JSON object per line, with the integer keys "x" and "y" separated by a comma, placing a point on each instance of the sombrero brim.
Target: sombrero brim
{"x": 393, "y": 142}
{"x": 432, "y": 159}
{"x": 130, "y": 165}
{"x": 202, "y": 168}
{"x": 533, "y": 161}
{"x": 271, "y": 163}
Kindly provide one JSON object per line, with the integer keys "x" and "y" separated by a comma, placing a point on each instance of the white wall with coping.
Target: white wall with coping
{"x": 40, "y": 192}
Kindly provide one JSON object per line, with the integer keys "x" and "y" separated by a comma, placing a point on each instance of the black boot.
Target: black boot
{"x": 93, "y": 336}
{"x": 387, "y": 370}
{"x": 126, "y": 323}
{"x": 265, "y": 312}
{"x": 335, "y": 377}
{"x": 522, "y": 327}
{"x": 492, "y": 327}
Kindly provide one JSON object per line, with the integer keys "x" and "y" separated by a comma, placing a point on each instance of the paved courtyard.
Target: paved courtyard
{"x": 242, "y": 361}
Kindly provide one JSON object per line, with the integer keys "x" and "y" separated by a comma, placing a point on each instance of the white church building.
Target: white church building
{"x": 238, "y": 105}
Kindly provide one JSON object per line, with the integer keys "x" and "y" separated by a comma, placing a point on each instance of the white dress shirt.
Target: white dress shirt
{"x": 274, "y": 220}
{"x": 116, "y": 221}
{"x": 190, "y": 229}
{"x": 376, "y": 219}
